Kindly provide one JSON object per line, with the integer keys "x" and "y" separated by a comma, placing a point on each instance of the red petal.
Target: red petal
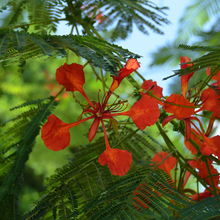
{"x": 216, "y": 76}
{"x": 145, "y": 112}
{"x": 187, "y": 123}
{"x": 185, "y": 78}
{"x": 152, "y": 86}
{"x": 203, "y": 195}
{"x": 71, "y": 76}
{"x": 196, "y": 138}
{"x": 93, "y": 129}
{"x": 211, "y": 146}
{"x": 180, "y": 112}
{"x": 185, "y": 62}
{"x": 118, "y": 161}
{"x": 55, "y": 133}
{"x": 168, "y": 119}
{"x": 130, "y": 66}
{"x": 164, "y": 161}
{"x": 211, "y": 101}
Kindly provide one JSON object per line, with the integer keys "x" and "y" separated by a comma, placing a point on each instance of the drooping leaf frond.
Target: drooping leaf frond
{"x": 205, "y": 209}
{"x": 85, "y": 190}
{"x": 17, "y": 140}
{"x": 122, "y": 15}
{"x": 202, "y": 13}
{"x": 40, "y": 16}
{"x": 19, "y": 45}
{"x": 210, "y": 59}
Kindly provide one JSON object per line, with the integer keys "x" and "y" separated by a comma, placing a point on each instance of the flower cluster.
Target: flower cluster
{"x": 186, "y": 107}
{"x": 204, "y": 149}
{"x": 145, "y": 112}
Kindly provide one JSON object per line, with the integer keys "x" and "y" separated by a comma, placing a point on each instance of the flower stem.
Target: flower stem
{"x": 183, "y": 162}
{"x": 105, "y": 136}
{"x": 87, "y": 99}
{"x": 210, "y": 126}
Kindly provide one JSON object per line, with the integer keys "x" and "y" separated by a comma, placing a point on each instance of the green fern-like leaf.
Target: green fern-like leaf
{"x": 122, "y": 15}
{"x": 17, "y": 140}
{"x": 206, "y": 209}
{"x": 95, "y": 193}
{"x": 210, "y": 59}
{"x": 20, "y": 45}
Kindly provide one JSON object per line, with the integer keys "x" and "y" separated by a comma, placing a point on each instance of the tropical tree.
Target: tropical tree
{"x": 123, "y": 157}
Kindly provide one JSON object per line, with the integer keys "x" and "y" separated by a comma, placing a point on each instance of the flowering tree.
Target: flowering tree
{"x": 130, "y": 166}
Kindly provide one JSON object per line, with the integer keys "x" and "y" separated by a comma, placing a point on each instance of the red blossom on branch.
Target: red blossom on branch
{"x": 178, "y": 105}
{"x": 145, "y": 112}
{"x": 118, "y": 161}
{"x": 211, "y": 101}
{"x": 164, "y": 161}
{"x": 211, "y": 146}
{"x": 206, "y": 171}
{"x": 185, "y": 62}
{"x": 131, "y": 66}
{"x": 215, "y": 77}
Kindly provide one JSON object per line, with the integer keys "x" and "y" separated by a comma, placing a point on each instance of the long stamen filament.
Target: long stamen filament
{"x": 79, "y": 122}
{"x": 88, "y": 100}
{"x": 210, "y": 126}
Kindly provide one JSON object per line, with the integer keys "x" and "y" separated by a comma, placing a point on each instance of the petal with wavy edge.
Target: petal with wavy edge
{"x": 117, "y": 160}
{"x": 71, "y": 76}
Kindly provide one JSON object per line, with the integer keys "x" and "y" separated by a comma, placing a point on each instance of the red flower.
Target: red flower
{"x": 179, "y": 106}
{"x": 215, "y": 77}
{"x": 211, "y": 101}
{"x": 118, "y": 161}
{"x": 55, "y": 133}
{"x": 100, "y": 18}
{"x": 164, "y": 161}
{"x": 211, "y": 146}
{"x": 196, "y": 138}
{"x": 131, "y": 66}
{"x": 205, "y": 170}
{"x": 71, "y": 76}
{"x": 185, "y": 63}
{"x": 145, "y": 112}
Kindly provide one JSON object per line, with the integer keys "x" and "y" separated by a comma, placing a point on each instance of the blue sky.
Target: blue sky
{"x": 145, "y": 45}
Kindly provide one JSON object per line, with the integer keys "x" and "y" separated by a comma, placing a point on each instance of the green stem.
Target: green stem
{"x": 140, "y": 75}
{"x": 210, "y": 126}
{"x": 103, "y": 80}
{"x": 58, "y": 93}
{"x": 183, "y": 162}
{"x": 24, "y": 25}
{"x": 211, "y": 177}
{"x": 205, "y": 82}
